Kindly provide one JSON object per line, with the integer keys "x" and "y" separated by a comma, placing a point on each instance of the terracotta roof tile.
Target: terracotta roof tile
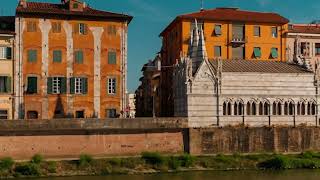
{"x": 259, "y": 66}
{"x": 303, "y": 28}
{"x": 37, "y": 8}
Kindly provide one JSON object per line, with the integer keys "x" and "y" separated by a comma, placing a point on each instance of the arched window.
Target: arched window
{"x": 313, "y": 109}
{"x": 224, "y": 108}
{"x": 240, "y": 108}
{"x": 229, "y": 108}
{"x": 285, "y": 108}
{"x": 309, "y": 108}
{"x": 299, "y": 109}
{"x": 291, "y": 109}
{"x": 248, "y": 108}
{"x": 279, "y": 111}
{"x": 274, "y": 108}
{"x": 266, "y": 108}
{"x": 260, "y": 108}
{"x": 235, "y": 109}
{"x": 303, "y": 109}
{"x": 254, "y": 108}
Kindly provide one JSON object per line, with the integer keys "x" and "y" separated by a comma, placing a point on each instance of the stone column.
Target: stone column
{"x": 232, "y": 109}
{"x": 282, "y": 109}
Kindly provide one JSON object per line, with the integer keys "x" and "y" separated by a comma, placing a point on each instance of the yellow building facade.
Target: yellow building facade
{"x": 6, "y": 66}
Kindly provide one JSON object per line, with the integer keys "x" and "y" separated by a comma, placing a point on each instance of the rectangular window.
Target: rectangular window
{"x": 79, "y": 57}
{"x": 79, "y": 114}
{"x": 75, "y": 5}
{"x": 217, "y": 30}
{"x": 5, "y": 53}
{"x": 56, "y": 27}
{"x": 217, "y": 51}
{"x": 3, "y": 114}
{"x": 32, "y": 86}
{"x": 78, "y": 85}
{"x": 112, "y": 30}
{"x": 317, "y": 50}
{"x": 274, "y": 31}
{"x": 274, "y": 53}
{"x": 5, "y": 84}
{"x": 111, "y": 113}
{"x": 82, "y": 28}
{"x": 31, "y": 26}
{"x": 57, "y": 56}
{"x": 32, "y": 55}
{"x": 112, "y": 82}
{"x": 112, "y": 57}
{"x": 257, "y": 31}
{"x": 257, "y": 52}
{"x": 57, "y": 85}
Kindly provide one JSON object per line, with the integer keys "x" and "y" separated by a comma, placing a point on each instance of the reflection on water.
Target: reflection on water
{"x": 212, "y": 175}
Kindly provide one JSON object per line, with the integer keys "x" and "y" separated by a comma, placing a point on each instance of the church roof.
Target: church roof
{"x": 258, "y": 66}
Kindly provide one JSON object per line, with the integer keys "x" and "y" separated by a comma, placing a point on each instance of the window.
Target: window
{"x": 56, "y": 27}
{"x": 78, "y": 85}
{"x": 31, "y": 26}
{"x": 111, "y": 113}
{"x": 112, "y": 82}
{"x": 57, "y": 85}
{"x": 274, "y": 53}
{"x": 274, "y": 31}
{"x": 217, "y": 30}
{"x": 5, "y": 52}
{"x": 112, "y": 57}
{"x": 32, "y": 55}
{"x": 257, "y": 52}
{"x": 82, "y": 28}
{"x": 32, "y": 115}
{"x": 32, "y": 86}
{"x": 57, "y": 56}
{"x": 112, "y": 30}
{"x": 80, "y": 114}
{"x": 75, "y": 6}
{"x": 276, "y": 108}
{"x": 5, "y": 84}
{"x": 317, "y": 50}
{"x": 79, "y": 57}
{"x": 217, "y": 51}
{"x": 257, "y": 31}
{"x": 3, "y": 114}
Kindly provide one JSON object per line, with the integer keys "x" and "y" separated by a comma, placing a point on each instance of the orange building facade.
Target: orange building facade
{"x": 71, "y": 61}
{"x": 229, "y": 33}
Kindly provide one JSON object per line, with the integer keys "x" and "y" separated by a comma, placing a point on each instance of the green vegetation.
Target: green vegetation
{"x": 153, "y": 162}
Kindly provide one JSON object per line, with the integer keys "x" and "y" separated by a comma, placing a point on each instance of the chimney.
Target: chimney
{"x": 23, "y": 3}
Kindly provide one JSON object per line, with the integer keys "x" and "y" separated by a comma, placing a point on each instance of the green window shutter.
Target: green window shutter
{"x": 72, "y": 85}
{"x": 79, "y": 57}
{"x": 257, "y": 52}
{"x": 217, "y": 51}
{"x": 274, "y": 53}
{"x": 84, "y": 85}
{"x": 32, "y": 55}
{"x": 8, "y": 85}
{"x": 63, "y": 87}
{"x": 9, "y": 53}
{"x": 49, "y": 85}
{"x": 57, "y": 56}
{"x": 32, "y": 85}
{"x": 112, "y": 57}
{"x": 217, "y": 30}
{"x": 85, "y": 29}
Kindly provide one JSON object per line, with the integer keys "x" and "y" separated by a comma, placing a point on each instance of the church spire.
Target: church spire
{"x": 202, "y": 51}
{"x": 195, "y": 40}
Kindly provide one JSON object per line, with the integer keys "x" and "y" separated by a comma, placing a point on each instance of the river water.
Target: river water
{"x": 212, "y": 175}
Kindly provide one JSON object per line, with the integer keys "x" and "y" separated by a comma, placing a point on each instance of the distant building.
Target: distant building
{"x": 71, "y": 61}
{"x": 230, "y": 33}
{"x": 131, "y": 106}
{"x": 303, "y": 44}
{"x": 148, "y": 93}
{"x": 218, "y": 92}
{"x": 6, "y": 66}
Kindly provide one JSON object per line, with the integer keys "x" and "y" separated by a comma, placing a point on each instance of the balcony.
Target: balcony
{"x": 238, "y": 39}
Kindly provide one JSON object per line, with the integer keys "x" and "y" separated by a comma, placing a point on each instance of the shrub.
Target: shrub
{"x": 106, "y": 170}
{"x": 52, "y": 167}
{"x": 6, "y": 163}
{"x": 37, "y": 159}
{"x": 174, "y": 163}
{"x": 153, "y": 158}
{"x": 187, "y": 160}
{"x": 29, "y": 169}
{"x": 115, "y": 162}
{"x": 85, "y": 160}
{"x": 279, "y": 162}
{"x": 131, "y": 163}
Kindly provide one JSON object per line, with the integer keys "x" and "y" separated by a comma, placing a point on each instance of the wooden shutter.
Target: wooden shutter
{"x": 8, "y": 85}
{"x": 84, "y": 85}
{"x": 72, "y": 85}
{"x": 76, "y": 28}
{"x": 79, "y": 57}
{"x": 85, "y": 29}
{"x": 112, "y": 57}
{"x": 49, "y": 85}
{"x": 63, "y": 88}
{"x": 57, "y": 56}
{"x": 8, "y": 53}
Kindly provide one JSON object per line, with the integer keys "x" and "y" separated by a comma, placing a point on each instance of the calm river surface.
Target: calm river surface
{"x": 213, "y": 175}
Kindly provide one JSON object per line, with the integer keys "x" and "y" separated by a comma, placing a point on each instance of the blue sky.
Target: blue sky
{"x": 152, "y": 16}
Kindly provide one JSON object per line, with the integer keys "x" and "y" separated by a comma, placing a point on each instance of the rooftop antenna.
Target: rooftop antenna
{"x": 201, "y": 1}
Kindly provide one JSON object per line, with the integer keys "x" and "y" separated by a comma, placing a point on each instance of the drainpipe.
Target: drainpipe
{"x": 13, "y": 75}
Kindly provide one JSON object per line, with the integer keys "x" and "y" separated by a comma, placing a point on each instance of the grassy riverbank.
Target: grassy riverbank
{"x": 155, "y": 163}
